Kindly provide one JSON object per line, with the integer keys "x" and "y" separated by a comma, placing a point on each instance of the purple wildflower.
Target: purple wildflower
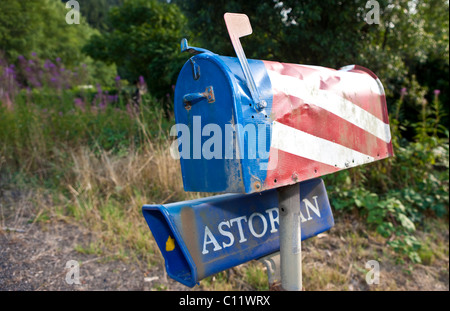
{"x": 33, "y": 54}
{"x": 117, "y": 78}
{"x": 403, "y": 91}
{"x": 9, "y": 71}
{"x": 437, "y": 92}
{"x": 79, "y": 103}
{"x": 141, "y": 80}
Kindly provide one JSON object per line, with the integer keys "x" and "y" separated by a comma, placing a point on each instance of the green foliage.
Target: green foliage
{"x": 395, "y": 195}
{"x": 323, "y": 33}
{"x": 39, "y": 26}
{"x": 409, "y": 48}
{"x": 31, "y": 133}
{"x": 96, "y": 11}
{"x": 143, "y": 41}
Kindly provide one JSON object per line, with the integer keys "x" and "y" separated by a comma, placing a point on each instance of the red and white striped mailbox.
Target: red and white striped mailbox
{"x": 251, "y": 125}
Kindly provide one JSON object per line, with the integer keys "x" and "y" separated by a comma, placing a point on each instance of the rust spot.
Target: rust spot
{"x": 190, "y": 237}
{"x": 257, "y": 186}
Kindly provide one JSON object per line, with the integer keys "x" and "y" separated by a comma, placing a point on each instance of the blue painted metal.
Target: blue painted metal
{"x": 192, "y": 49}
{"x": 201, "y": 237}
{"x": 241, "y": 172}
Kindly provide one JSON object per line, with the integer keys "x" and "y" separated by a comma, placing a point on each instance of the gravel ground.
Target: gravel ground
{"x": 38, "y": 259}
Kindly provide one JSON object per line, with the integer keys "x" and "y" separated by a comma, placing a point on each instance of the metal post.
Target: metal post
{"x": 290, "y": 237}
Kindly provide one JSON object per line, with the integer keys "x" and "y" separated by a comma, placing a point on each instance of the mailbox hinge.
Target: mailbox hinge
{"x": 192, "y": 49}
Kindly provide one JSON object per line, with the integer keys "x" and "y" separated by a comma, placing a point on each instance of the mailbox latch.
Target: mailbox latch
{"x": 193, "y": 98}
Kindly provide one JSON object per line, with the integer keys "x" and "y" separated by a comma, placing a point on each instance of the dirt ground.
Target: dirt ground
{"x": 34, "y": 255}
{"x": 36, "y": 259}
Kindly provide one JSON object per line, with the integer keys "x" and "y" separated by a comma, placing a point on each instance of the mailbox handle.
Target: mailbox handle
{"x": 193, "y": 98}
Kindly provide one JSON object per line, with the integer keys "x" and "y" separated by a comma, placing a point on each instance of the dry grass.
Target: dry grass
{"x": 104, "y": 191}
{"x": 108, "y": 191}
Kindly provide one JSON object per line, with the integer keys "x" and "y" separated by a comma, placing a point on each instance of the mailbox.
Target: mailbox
{"x": 201, "y": 237}
{"x": 250, "y": 125}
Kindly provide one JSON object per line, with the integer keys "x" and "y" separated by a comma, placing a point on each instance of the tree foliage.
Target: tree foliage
{"x": 408, "y": 49}
{"x": 39, "y": 26}
{"x": 143, "y": 40}
{"x": 96, "y": 11}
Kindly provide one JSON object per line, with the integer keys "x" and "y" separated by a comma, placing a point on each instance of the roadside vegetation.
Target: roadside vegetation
{"x": 85, "y": 152}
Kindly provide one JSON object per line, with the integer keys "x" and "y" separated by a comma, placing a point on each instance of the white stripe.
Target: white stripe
{"x": 353, "y": 81}
{"x": 309, "y": 91}
{"x": 294, "y": 141}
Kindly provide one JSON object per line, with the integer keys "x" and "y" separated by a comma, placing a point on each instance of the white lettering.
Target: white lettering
{"x": 248, "y": 130}
{"x": 302, "y": 218}
{"x": 191, "y": 301}
{"x": 212, "y": 239}
{"x": 73, "y": 16}
{"x": 215, "y": 141}
{"x": 230, "y": 135}
{"x": 373, "y": 276}
{"x": 273, "y": 219}
{"x": 250, "y": 225}
{"x": 254, "y": 138}
{"x": 258, "y": 228}
{"x": 73, "y": 276}
{"x": 309, "y": 206}
{"x": 197, "y": 137}
{"x": 373, "y": 16}
{"x": 226, "y": 233}
{"x": 238, "y": 220}
{"x": 182, "y": 144}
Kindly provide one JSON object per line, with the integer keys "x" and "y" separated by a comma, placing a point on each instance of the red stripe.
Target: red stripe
{"x": 294, "y": 112}
{"x": 290, "y": 169}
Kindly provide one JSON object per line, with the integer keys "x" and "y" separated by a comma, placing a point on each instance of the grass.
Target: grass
{"x": 96, "y": 168}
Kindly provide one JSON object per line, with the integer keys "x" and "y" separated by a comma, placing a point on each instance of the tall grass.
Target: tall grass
{"x": 99, "y": 158}
{"x": 98, "y": 165}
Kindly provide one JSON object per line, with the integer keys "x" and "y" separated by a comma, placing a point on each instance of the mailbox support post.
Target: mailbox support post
{"x": 290, "y": 238}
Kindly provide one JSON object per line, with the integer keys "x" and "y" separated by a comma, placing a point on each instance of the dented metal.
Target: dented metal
{"x": 201, "y": 237}
{"x": 314, "y": 121}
